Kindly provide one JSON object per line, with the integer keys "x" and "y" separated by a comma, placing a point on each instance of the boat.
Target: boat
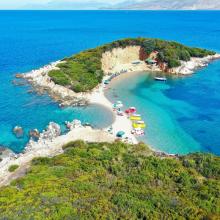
{"x": 139, "y": 124}
{"x": 157, "y": 78}
{"x": 130, "y": 110}
{"x": 135, "y": 117}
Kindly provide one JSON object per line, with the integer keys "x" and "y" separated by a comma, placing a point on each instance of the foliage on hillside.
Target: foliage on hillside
{"x": 115, "y": 181}
{"x": 83, "y": 72}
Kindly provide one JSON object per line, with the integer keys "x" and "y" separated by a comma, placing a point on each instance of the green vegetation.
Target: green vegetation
{"x": 12, "y": 168}
{"x": 115, "y": 181}
{"x": 83, "y": 72}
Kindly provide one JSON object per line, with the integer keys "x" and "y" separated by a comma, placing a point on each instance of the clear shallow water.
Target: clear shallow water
{"x": 182, "y": 115}
{"x": 30, "y": 39}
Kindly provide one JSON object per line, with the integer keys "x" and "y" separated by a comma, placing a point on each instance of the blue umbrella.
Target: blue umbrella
{"x": 120, "y": 134}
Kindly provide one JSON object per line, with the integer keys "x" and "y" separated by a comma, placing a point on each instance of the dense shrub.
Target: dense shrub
{"x": 115, "y": 181}
{"x": 12, "y": 168}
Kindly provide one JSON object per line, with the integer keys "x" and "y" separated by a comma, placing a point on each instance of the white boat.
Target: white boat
{"x": 157, "y": 78}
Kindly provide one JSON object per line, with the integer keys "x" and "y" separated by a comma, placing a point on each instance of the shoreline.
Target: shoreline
{"x": 53, "y": 146}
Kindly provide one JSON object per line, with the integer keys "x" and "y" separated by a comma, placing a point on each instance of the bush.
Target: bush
{"x": 12, "y": 168}
{"x": 173, "y": 63}
{"x": 59, "y": 77}
{"x": 41, "y": 161}
{"x": 73, "y": 144}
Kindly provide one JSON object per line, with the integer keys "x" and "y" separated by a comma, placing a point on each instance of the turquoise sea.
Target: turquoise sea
{"x": 183, "y": 115}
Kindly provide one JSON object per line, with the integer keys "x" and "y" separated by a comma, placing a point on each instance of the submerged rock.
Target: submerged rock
{"x": 18, "y": 131}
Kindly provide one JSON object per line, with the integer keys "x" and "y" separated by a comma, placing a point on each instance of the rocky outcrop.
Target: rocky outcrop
{"x": 41, "y": 82}
{"x": 123, "y": 60}
{"x": 52, "y": 131}
{"x": 74, "y": 124}
{"x": 189, "y": 67}
{"x": 35, "y": 134}
{"x": 18, "y": 131}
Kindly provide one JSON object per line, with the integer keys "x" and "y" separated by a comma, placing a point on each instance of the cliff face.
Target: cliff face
{"x": 122, "y": 59}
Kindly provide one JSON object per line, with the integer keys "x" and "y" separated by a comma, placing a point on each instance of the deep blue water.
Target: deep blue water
{"x": 30, "y": 39}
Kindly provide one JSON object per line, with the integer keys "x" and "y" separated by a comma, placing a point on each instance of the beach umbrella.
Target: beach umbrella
{"x": 120, "y": 134}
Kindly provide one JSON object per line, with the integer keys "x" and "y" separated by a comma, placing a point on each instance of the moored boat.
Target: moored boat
{"x": 139, "y": 124}
{"x": 130, "y": 110}
{"x": 135, "y": 117}
{"x": 157, "y": 78}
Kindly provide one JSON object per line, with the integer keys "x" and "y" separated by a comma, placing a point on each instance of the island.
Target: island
{"x": 58, "y": 176}
{"x": 72, "y": 79}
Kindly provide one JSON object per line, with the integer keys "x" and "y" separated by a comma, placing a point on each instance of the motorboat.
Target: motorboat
{"x": 158, "y": 78}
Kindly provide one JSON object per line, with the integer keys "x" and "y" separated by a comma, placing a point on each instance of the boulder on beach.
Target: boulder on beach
{"x": 18, "y": 131}
{"x": 53, "y": 130}
{"x": 74, "y": 124}
{"x": 35, "y": 134}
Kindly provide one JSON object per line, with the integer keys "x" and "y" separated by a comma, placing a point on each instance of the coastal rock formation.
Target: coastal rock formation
{"x": 189, "y": 67}
{"x": 74, "y": 124}
{"x": 52, "y": 131}
{"x": 18, "y": 131}
{"x": 41, "y": 81}
{"x": 127, "y": 59}
{"x": 120, "y": 59}
{"x": 35, "y": 134}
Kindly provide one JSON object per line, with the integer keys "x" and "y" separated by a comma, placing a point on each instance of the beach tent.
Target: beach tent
{"x": 120, "y": 134}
